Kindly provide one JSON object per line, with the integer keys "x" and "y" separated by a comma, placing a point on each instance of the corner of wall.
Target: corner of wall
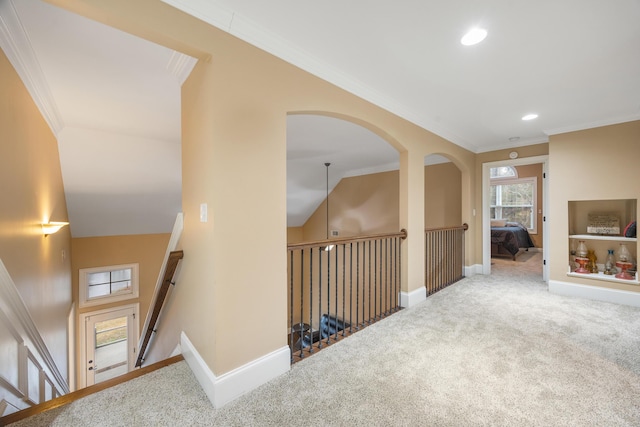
{"x": 409, "y": 299}
{"x": 231, "y": 385}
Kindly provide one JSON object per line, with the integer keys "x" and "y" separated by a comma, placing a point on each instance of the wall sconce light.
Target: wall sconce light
{"x": 52, "y": 227}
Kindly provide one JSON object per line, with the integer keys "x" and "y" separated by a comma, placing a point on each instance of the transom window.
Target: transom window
{"x": 503, "y": 172}
{"x": 514, "y": 199}
{"x": 103, "y": 285}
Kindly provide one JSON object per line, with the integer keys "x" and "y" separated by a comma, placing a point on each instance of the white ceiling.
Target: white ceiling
{"x": 113, "y": 100}
{"x": 576, "y": 63}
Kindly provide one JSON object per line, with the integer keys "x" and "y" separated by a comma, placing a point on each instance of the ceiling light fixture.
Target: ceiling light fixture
{"x": 530, "y": 116}
{"x": 473, "y": 36}
{"x": 52, "y": 227}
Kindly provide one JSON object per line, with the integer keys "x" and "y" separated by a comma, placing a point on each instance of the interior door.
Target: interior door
{"x": 110, "y": 343}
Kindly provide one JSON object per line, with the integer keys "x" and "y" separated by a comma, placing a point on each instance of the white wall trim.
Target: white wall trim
{"x": 233, "y": 384}
{"x": 16, "y": 310}
{"x": 472, "y": 270}
{"x": 14, "y": 41}
{"x": 181, "y": 65}
{"x": 245, "y": 29}
{"x": 409, "y": 299}
{"x": 596, "y": 293}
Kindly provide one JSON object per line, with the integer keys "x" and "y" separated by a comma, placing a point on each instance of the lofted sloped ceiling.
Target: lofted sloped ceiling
{"x": 113, "y": 100}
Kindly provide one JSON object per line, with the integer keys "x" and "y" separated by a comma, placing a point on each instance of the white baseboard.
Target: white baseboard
{"x": 472, "y": 270}
{"x": 409, "y": 299}
{"x": 595, "y": 293}
{"x": 233, "y": 384}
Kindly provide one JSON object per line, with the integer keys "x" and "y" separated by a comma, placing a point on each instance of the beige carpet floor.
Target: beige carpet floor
{"x": 493, "y": 350}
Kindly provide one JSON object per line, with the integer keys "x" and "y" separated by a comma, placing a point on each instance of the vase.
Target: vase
{"x": 592, "y": 266}
{"x": 610, "y": 263}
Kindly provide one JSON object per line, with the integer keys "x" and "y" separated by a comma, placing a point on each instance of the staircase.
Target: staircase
{"x": 39, "y": 414}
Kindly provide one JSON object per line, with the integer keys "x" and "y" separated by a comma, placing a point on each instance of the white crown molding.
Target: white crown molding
{"x": 511, "y": 145}
{"x": 270, "y": 42}
{"x": 373, "y": 169}
{"x": 15, "y": 43}
{"x": 181, "y": 65}
{"x": 595, "y": 124}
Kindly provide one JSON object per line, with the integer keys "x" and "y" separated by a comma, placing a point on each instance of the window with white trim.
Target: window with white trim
{"x": 102, "y": 285}
{"x": 515, "y": 200}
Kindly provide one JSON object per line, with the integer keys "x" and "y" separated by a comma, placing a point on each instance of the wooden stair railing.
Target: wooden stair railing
{"x": 169, "y": 271}
{"x": 84, "y": 392}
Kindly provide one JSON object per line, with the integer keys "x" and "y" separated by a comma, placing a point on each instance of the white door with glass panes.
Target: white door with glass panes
{"x": 110, "y": 341}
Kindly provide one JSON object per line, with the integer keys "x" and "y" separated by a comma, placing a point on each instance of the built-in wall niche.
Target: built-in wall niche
{"x": 601, "y": 225}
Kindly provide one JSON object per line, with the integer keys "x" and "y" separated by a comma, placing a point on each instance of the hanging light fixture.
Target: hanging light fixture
{"x": 328, "y": 247}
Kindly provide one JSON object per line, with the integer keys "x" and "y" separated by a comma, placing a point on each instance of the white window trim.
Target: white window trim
{"x": 120, "y": 296}
{"x": 533, "y": 180}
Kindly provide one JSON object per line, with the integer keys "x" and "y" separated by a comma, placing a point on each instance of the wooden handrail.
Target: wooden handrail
{"x": 83, "y": 392}
{"x": 464, "y": 226}
{"x": 169, "y": 271}
{"x": 306, "y": 245}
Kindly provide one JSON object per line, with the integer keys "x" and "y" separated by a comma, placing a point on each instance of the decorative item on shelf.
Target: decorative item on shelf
{"x": 606, "y": 224}
{"x": 592, "y": 266}
{"x": 624, "y": 263}
{"x": 582, "y": 250}
{"x": 630, "y": 230}
{"x": 610, "y": 264}
{"x": 581, "y": 258}
{"x": 582, "y": 265}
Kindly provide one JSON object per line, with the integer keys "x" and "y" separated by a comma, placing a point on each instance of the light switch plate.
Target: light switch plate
{"x": 203, "y": 212}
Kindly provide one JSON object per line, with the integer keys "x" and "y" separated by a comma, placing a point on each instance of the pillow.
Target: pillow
{"x": 498, "y": 222}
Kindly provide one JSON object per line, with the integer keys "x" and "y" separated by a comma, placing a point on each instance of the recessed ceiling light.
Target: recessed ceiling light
{"x": 530, "y": 116}
{"x": 473, "y": 36}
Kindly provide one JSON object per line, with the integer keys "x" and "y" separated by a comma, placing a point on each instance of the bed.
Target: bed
{"x": 509, "y": 239}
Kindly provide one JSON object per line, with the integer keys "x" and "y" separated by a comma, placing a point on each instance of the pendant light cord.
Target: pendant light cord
{"x": 327, "y": 165}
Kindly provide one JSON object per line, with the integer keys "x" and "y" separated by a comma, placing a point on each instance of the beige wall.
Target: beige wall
{"x": 146, "y": 249}
{"x": 442, "y": 195}
{"x": 358, "y": 205}
{"x": 235, "y": 105}
{"x": 593, "y": 164}
{"x": 369, "y": 204}
{"x": 31, "y": 191}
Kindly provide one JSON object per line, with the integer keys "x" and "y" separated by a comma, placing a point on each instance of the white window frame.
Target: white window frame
{"x": 534, "y": 209}
{"x": 84, "y": 301}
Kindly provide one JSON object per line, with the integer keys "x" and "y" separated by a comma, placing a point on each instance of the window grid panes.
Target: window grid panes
{"x": 515, "y": 201}
{"x": 105, "y": 283}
